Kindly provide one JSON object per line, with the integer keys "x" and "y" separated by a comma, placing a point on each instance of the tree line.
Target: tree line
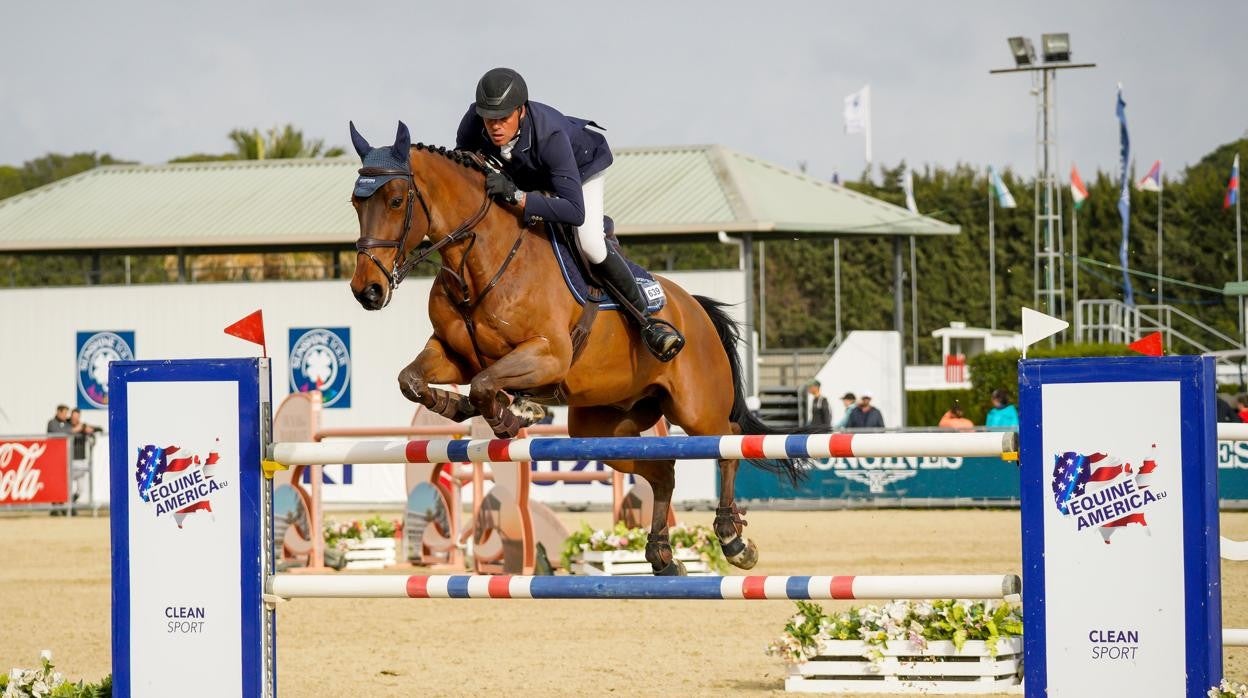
{"x": 952, "y": 280}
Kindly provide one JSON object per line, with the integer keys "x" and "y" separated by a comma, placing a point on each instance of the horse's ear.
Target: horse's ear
{"x": 402, "y": 143}
{"x": 361, "y": 146}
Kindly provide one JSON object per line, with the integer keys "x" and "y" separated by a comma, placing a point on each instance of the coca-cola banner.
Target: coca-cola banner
{"x": 34, "y": 470}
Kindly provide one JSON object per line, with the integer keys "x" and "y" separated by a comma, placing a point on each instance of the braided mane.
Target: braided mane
{"x": 460, "y": 157}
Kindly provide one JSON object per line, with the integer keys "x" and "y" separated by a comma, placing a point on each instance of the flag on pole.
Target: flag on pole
{"x": 1124, "y": 198}
{"x": 1004, "y": 198}
{"x": 1232, "y": 187}
{"x": 858, "y": 110}
{"x": 907, "y": 185}
{"x": 1152, "y": 180}
{"x": 1078, "y": 190}
{"x": 250, "y": 328}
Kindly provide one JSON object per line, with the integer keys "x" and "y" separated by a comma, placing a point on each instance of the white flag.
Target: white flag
{"x": 907, "y": 185}
{"x": 858, "y": 111}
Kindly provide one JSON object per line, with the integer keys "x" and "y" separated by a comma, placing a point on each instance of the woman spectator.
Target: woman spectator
{"x": 1002, "y": 414}
{"x": 954, "y": 419}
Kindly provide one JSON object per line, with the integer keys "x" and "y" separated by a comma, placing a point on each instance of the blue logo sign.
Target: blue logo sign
{"x": 320, "y": 359}
{"x": 95, "y": 351}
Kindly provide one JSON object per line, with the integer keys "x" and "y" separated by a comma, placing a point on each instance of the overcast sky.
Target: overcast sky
{"x": 151, "y": 80}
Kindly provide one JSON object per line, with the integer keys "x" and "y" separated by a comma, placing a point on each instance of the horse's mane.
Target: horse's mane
{"x": 461, "y": 157}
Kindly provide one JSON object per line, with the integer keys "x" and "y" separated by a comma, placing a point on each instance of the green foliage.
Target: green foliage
{"x": 896, "y": 621}
{"x": 999, "y": 369}
{"x": 48, "y": 169}
{"x": 924, "y": 408}
{"x": 698, "y": 538}
{"x": 46, "y": 682}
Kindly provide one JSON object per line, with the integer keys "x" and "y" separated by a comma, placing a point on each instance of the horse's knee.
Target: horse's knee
{"x": 412, "y": 383}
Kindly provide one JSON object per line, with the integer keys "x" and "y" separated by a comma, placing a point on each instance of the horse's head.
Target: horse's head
{"x": 384, "y": 198}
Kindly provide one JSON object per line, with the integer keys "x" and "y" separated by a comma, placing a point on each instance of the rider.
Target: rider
{"x": 541, "y": 150}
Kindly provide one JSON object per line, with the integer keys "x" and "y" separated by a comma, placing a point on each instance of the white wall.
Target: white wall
{"x": 866, "y": 361}
{"x": 37, "y": 352}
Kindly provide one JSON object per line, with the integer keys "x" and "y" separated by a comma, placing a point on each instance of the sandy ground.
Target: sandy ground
{"x": 54, "y": 594}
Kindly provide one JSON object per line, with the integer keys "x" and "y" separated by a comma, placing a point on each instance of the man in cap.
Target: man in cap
{"x": 541, "y": 150}
{"x": 865, "y": 416}
{"x": 848, "y": 400}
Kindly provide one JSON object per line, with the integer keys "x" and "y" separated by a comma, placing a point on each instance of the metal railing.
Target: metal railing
{"x": 1114, "y": 322}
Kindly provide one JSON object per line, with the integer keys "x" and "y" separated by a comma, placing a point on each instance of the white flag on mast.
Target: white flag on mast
{"x": 858, "y": 111}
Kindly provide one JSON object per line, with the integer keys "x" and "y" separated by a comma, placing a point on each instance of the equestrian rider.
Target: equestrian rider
{"x": 541, "y": 150}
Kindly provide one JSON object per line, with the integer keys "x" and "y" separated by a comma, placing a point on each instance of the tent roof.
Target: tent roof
{"x": 667, "y": 191}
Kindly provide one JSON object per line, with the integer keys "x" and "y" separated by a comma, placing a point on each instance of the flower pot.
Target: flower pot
{"x": 633, "y": 562}
{"x": 844, "y": 666}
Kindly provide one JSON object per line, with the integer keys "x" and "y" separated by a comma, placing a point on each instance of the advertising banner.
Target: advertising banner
{"x": 182, "y": 614}
{"x": 1120, "y": 527}
{"x": 34, "y": 470}
{"x": 95, "y": 351}
{"x": 320, "y": 359}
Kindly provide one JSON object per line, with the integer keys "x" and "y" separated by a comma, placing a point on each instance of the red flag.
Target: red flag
{"x": 1149, "y": 345}
{"x": 250, "y": 328}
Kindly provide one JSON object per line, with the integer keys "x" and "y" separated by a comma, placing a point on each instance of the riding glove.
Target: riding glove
{"x": 498, "y": 184}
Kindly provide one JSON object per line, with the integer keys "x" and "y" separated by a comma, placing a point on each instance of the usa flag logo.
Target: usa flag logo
{"x": 176, "y": 484}
{"x": 1102, "y": 491}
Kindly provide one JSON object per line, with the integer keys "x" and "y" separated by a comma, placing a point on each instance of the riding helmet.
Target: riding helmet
{"x": 500, "y": 92}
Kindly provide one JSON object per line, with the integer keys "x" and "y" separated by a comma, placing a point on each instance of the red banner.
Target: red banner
{"x": 34, "y": 470}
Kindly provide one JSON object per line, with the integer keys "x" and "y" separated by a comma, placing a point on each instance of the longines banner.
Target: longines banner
{"x": 917, "y": 480}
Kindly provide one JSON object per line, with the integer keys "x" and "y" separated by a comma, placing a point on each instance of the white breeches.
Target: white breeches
{"x": 591, "y": 235}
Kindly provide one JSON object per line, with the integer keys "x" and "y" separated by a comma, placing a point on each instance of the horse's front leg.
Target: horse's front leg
{"x": 436, "y": 365}
{"x": 533, "y": 363}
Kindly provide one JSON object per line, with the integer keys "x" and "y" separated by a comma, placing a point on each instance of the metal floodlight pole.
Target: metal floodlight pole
{"x": 1046, "y": 273}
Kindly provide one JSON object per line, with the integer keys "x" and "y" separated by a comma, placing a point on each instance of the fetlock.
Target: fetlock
{"x": 505, "y": 423}
{"x": 729, "y": 528}
{"x": 662, "y": 560}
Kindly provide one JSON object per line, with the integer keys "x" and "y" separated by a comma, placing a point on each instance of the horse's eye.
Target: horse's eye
{"x": 396, "y": 202}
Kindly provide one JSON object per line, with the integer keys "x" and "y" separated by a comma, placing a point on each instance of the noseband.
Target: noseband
{"x": 402, "y": 263}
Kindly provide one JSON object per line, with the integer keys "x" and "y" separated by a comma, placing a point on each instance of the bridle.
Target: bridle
{"x": 403, "y": 263}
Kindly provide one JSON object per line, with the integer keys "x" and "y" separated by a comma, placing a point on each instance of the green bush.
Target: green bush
{"x": 924, "y": 408}
{"x": 999, "y": 369}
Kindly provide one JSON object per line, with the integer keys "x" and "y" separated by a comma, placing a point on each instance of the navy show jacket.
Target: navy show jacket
{"x": 554, "y": 153}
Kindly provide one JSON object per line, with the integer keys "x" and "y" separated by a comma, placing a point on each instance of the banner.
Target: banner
{"x": 34, "y": 470}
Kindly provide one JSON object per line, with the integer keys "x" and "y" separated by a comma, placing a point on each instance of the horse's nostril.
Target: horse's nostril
{"x": 373, "y": 292}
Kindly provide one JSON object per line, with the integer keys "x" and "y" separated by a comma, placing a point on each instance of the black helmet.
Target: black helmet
{"x": 500, "y": 92}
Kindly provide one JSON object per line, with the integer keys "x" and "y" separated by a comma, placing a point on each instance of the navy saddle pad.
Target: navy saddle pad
{"x": 575, "y": 278}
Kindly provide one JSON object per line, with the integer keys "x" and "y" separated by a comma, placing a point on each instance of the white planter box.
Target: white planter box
{"x": 841, "y": 667}
{"x": 371, "y": 553}
{"x": 633, "y": 562}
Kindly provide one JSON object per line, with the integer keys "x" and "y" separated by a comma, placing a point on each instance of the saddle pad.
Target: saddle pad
{"x": 575, "y": 278}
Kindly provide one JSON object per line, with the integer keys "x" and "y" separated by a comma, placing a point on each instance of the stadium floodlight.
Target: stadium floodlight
{"x": 1056, "y": 47}
{"x": 1024, "y": 52}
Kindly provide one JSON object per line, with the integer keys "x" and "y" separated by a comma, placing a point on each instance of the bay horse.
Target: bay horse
{"x": 503, "y": 319}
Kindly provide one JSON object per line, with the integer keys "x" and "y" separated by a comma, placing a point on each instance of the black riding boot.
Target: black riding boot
{"x": 663, "y": 340}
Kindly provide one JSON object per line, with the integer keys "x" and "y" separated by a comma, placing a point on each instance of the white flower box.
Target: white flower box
{"x": 633, "y": 562}
{"x": 371, "y": 553}
{"x": 843, "y": 667}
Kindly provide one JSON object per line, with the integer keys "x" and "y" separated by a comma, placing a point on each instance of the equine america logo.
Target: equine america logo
{"x": 320, "y": 359}
{"x": 1103, "y": 491}
{"x": 175, "y": 484}
{"x": 95, "y": 351}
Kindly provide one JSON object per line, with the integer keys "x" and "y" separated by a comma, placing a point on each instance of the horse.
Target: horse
{"x": 503, "y": 321}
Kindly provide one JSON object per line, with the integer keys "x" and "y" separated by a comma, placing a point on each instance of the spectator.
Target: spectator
{"x": 59, "y": 424}
{"x": 865, "y": 416}
{"x": 1002, "y": 414}
{"x": 1243, "y": 407}
{"x": 820, "y": 412}
{"x": 953, "y": 419}
{"x": 1226, "y": 413}
{"x": 848, "y": 400}
{"x": 84, "y": 435}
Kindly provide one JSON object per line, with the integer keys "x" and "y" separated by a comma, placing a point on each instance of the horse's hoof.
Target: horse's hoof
{"x": 675, "y": 568}
{"x": 741, "y": 552}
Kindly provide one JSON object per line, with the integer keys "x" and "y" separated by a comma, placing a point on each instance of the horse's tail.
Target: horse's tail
{"x": 730, "y": 336}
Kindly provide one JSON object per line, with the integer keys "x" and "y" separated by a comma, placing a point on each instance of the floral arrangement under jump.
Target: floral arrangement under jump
{"x": 697, "y": 538}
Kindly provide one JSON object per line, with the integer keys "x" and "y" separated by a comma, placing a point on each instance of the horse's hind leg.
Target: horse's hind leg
{"x": 729, "y": 525}
{"x": 661, "y": 474}
{"x": 608, "y": 421}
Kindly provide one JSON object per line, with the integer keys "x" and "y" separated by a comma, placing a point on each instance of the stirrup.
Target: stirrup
{"x": 662, "y": 339}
